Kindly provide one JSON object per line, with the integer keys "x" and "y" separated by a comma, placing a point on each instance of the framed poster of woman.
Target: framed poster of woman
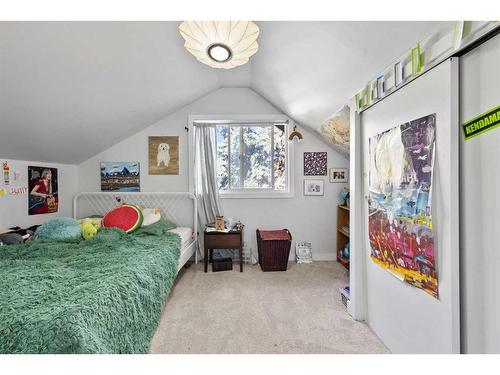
{"x": 43, "y": 188}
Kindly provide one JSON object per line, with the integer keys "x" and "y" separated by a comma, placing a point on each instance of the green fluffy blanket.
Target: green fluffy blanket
{"x": 99, "y": 296}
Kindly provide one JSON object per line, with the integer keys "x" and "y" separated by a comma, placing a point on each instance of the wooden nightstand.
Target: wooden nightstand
{"x": 221, "y": 240}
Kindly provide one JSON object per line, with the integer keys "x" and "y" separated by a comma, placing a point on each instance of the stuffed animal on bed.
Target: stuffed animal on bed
{"x": 95, "y": 221}
{"x": 88, "y": 230}
{"x": 151, "y": 216}
{"x": 90, "y": 226}
{"x": 61, "y": 229}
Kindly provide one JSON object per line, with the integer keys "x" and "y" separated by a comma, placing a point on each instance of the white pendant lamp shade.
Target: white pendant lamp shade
{"x": 221, "y": 44}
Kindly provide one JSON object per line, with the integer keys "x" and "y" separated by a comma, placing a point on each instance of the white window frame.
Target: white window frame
{"x": 199, "y": 120}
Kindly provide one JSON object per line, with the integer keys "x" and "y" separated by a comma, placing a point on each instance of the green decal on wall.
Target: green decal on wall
{"x": 482, "y": 123}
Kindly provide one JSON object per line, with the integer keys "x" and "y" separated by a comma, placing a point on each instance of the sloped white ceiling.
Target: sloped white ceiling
{"x": 310, "y": 69}
{"x": 69, "y": 90}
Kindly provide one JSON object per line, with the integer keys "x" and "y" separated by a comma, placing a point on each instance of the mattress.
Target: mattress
{"x": 186, "y": 235}
{"x": 186, "y": 250}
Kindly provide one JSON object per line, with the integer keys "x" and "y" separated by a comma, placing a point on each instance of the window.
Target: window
{"x": 252, "y": 159}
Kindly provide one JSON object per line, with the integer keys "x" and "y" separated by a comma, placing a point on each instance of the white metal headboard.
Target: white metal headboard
{"x": 178, "y": 207}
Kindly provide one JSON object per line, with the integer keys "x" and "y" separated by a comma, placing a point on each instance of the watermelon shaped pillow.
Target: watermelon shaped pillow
{"x": 127, "y": 217}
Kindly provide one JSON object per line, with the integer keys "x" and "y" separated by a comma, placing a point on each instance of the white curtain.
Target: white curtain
{"x": 205, "y": 178}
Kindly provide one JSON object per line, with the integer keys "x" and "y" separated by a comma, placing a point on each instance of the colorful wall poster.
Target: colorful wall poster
{"x": 400, "y": 215}
{"x": 163, "y": 153}
{"x": 120, "y": 176}
{"x": 42, "y": 185}
{"x": 315, "y": 163}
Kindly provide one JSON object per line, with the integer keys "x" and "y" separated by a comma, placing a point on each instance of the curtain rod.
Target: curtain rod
{"x": 229, "y": 122}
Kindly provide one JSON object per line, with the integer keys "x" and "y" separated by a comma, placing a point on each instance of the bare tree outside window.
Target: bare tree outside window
{"x": 252, "y": 157}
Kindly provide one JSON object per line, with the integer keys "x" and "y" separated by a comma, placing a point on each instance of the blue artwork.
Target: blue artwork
{"x": 120, "y": 176}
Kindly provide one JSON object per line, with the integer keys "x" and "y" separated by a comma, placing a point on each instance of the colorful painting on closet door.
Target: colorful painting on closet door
{"x": 43, "y": 187}
{"x": 400, "y": 208}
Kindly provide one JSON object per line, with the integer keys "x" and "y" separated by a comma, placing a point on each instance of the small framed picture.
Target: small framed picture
{"x": 338, "y": 175}
{"x": 314, "y": 187}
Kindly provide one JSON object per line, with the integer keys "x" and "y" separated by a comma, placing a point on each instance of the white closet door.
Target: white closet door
{"x": 480, "y": 202}
{"x": 407, "y": 319}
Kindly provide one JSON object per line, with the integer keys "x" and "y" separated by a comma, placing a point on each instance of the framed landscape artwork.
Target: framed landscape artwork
{"x": 163, "y": 154}
{"x": 124, "y": 176}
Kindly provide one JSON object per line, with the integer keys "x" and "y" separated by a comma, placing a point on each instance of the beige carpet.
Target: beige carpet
{"x": 297, "y": 311}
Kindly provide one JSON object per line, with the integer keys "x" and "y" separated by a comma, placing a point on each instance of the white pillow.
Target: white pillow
{"x": 151, "y": 216}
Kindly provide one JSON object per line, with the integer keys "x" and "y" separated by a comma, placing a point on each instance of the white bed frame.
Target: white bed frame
{"x": 178, "y": 207}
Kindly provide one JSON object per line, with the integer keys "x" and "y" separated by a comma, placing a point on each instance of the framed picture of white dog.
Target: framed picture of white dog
{"x": 163, "y": 155}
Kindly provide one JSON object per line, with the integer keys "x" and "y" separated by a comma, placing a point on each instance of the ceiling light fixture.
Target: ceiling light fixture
{"x": 221, "y": 44}
{"x": 219, "y": 52}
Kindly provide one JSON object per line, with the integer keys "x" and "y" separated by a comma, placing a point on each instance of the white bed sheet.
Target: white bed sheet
{"x": 185, "y": 233}
{"x": 188, "y": 248}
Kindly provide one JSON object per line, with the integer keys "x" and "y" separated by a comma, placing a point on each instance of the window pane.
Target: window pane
{"x": 252, "y": 157}
{"x": 222, "y": 157}
{"x": 257, "y": 157}
{"x": 235, "y": 156}
{"x": 279, "y": 156}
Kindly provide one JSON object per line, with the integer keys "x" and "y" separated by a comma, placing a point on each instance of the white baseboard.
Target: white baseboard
{"x": 324, "y": 257}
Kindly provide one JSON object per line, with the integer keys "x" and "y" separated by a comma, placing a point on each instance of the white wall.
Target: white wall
{"x": 405, "y": 318}
{"x": 308, "y": 218}
{"x": 14, "y": 209}
{"x": 480, "y": 203}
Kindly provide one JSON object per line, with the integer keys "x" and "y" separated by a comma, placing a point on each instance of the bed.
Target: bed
{"x": 177, "y": 207}
{"x": 99, "y": 296}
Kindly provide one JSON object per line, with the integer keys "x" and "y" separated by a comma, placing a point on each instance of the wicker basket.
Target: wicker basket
{"x": 274, "y": 253}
